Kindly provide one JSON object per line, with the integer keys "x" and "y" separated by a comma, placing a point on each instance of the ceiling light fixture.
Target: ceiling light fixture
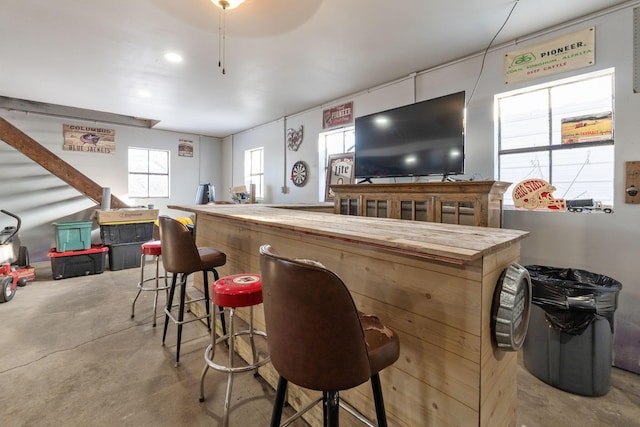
{"x": 173, "y": 57}
{"x": 227, "y": 4}
{"x": 224, "y": 5}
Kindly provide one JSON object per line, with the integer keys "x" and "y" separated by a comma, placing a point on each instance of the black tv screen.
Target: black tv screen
{"x": 425, "y": 138}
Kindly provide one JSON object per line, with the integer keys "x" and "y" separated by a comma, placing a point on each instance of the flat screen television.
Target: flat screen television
{"x": 421, "y": 139}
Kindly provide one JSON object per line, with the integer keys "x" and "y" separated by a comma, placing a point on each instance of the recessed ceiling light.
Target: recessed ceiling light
{"x": 173, "y": 57}
{"x": 144, "y": 93}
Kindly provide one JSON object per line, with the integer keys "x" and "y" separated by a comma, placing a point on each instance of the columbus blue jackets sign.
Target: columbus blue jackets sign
{"x": 89, "y": 139}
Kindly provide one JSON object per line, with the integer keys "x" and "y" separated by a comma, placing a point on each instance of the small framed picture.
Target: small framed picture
{"x": 339, "y": 171}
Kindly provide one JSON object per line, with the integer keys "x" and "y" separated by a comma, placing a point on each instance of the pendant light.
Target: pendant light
{"x": 223, "y": 5}
{"x": 227, "y": 4}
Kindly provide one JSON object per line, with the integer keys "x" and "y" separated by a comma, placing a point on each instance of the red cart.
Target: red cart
{"x": 14, "y": 261}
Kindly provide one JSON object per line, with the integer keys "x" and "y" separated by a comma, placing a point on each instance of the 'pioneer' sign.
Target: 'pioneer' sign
{"x": 569, "y": 52}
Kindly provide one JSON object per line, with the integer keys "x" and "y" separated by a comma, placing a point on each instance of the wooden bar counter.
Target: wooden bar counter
{"x": 432, "y": 283}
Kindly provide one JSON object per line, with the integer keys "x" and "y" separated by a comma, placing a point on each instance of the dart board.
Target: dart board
{"x": 299, "y": 174}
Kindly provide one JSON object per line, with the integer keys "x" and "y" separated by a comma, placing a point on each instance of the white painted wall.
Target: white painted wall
{"x": 606, "y": 244}
{"x": 41, "y": 199}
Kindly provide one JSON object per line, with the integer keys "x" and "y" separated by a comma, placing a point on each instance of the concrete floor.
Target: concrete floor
{"x": 70, "y": 355}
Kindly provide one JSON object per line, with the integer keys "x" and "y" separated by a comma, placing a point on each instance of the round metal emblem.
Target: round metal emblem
{"x": 511, "y": 305}
{"x": 246, "y": 279}
{"x": 299, "y": 173}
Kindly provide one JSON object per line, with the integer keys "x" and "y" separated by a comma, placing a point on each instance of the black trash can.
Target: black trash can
{"x": 570, "y": 337}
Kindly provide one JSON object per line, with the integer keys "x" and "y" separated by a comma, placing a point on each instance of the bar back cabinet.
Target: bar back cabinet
{"x": 477, "y": 203}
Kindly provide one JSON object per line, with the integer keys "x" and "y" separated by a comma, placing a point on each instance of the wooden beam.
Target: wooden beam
{"x": 54, "y": 164}
{"x": 72, "y": 112}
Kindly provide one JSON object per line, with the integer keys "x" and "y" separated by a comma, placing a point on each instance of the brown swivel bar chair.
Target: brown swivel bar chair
{"x": 180, "y": 255}
{"x": 318, "y": 339}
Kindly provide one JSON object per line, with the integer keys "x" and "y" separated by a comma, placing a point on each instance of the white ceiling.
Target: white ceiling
{"x": 282, "y": 56}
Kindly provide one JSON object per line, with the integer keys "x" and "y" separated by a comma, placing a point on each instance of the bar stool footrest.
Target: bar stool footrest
{"x": 153, "y": 289}
{"x": 228, "y": 369}
{"x": 182, "y": 322}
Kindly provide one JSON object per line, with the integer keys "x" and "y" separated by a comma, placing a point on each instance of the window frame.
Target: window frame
{"x": 249, "y": 173}
{"x": 324, "y": 152}
{"x": 149, "y": 174}
{"x": 552, "y": 144}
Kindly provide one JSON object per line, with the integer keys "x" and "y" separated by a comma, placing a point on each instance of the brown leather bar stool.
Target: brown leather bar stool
{"x": 154, "y": 249}
{"x": 318, "y": 339}
{"x": 232, "y": 292}
{"x": 180, "y": 255}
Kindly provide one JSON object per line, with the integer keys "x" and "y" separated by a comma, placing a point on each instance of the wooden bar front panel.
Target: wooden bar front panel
{"x": 449, "y": 373}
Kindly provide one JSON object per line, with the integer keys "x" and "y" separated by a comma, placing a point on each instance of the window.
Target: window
{"x": 533, "y": 144}
{"x": 333, "y": 142}
{"x": 254, "y": 170}
{"x": 148, "y": 173}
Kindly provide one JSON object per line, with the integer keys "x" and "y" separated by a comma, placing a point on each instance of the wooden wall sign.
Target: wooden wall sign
{"x": 632, "y": 187}
{"x": 89, "y": 139}
{"x": 535, "y": 193}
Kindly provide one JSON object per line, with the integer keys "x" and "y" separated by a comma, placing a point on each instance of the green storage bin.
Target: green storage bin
{"x": 73, "y": 235}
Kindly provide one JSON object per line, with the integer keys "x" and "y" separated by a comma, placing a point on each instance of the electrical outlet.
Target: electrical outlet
{"x": 285, "y": 190}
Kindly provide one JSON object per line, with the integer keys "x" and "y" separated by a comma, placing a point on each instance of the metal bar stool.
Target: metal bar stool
{"x": 239, "y": 290}
{"x": 180, "y": 255}
{"x": 154, "y": 249}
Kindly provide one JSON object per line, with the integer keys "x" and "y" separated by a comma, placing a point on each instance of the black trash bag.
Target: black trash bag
{"x": 572, "y": 299}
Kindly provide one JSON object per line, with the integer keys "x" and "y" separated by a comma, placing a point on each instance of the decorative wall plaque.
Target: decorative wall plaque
{"x": 294, "y": 138}
{"x": 536, "y": 193}
{"x": 339, "y": 171}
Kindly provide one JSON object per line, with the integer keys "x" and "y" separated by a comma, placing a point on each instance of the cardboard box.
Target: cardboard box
{"x": 126, "y": 215}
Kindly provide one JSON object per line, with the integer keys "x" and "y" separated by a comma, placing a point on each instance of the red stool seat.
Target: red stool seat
{"x": 238, "y": 290}
{"x": 152, "y": 248}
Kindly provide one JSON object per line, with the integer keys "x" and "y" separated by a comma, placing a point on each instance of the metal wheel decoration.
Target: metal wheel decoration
{"x": 511, "y": 304}
{"x": 294, "y": 138}
{"x": 299, "y": 173}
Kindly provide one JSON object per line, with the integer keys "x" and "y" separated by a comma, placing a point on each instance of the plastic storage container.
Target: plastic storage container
{"x": 78, "y": 263}
{"x": 570, "y": 337}
{"x": 73, "y": 235}
{"x": 112, "y": 234}
{"x": 125, "y": 255}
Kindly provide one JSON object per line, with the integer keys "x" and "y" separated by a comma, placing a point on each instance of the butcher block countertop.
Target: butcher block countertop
{"x": 456, "y": 244}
